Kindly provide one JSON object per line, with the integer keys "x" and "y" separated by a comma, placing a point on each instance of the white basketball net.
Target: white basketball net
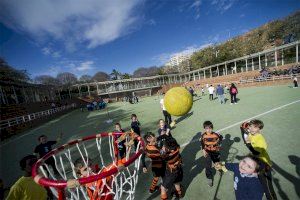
{"x": 123, "y": 183}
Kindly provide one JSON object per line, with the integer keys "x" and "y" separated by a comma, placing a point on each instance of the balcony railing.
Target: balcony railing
{"x": 30, "y": 117}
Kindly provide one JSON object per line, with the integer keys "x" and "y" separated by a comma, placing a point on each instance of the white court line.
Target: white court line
{"x": 238, "y": 123}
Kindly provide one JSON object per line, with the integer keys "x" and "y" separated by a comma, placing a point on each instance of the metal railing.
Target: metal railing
{"x": 266, "y": 79}
{"x": 30, "y": 117}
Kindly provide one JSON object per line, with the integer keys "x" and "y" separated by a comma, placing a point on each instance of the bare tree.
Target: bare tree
{"x": 9, "y": 73}
{"x": 46, "y": 80}
{"x": 144, "y": 72}
{"x": 101, "y": 76}
{"x": 85, "y": 78}
{"x": 66, "y": 78}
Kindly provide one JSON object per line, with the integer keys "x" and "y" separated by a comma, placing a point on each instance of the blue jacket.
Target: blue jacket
{"x": 220, "y": 90}
{"x": 245, "y": 187}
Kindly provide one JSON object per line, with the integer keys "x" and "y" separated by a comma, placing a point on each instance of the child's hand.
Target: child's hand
{"x": 204, "y": 153}
{"x": 218, "y": 166}
{"x": 145, "y": 170}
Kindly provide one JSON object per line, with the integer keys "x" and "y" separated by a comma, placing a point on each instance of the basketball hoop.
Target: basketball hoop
{"x": 115, "y": 179}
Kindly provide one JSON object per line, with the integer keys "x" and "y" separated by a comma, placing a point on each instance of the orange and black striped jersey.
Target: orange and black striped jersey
{"x": 173, "y": 159}
{"x": 211, "y": 142}
{"x": 153, "y": 153}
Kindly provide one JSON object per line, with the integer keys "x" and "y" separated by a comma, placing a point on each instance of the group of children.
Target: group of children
{"x": 166, "y": 161}
{"x": 252, "y": 176}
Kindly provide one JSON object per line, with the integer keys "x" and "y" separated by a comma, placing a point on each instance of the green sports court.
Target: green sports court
{"x": 277, "y": 106}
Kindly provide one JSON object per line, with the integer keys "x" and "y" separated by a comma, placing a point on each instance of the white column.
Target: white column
{"x": 106, "y": 90}
{"x": 204, "y": 74}
{"x": 98, "y": 92}
{"x": 259, "y": 64}
{"x": 89, "y": 90}
{"x": 282, "y": 57}
{"x": 15, "y": 94}
{"x": 252, "y": 65}
{"x": 218, "y": 70}
{"x": 25, "y": 96}
{"x": 198, "y": 75}
{"x": 226, "y": 69}
{"x": 2, "y": 96}
{"x": 297, "y": 52}
{"x": 235, "y": 67}
{"x": 266, "y": 60}
{"x": 210, "y": 72}
{"x": 246, "y": 65}
{"x": 194, "y": 76}
{"x": 275, "y": 57}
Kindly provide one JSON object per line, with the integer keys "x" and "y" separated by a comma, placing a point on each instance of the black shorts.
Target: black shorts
{"x": 158, "y": 172}
{"x": 215, "y": 156}
{"x": 173, "y": 177}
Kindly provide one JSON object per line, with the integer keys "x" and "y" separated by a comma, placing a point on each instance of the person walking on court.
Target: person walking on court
{"x": 220, "y": 93}
{"x": 168, "y": 118}
{"x": 295, "y": 82}
{"x": 211, "y": 90}
{"x": 233, "y": 91}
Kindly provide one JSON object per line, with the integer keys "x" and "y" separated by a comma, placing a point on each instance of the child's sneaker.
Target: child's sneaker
{"x": 210, "y": 182}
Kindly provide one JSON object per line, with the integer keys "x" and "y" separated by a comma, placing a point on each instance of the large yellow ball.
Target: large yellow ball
{"x": 178, "y": 101}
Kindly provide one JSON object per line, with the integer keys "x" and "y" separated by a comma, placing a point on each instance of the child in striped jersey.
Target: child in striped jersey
{"x": 174, "y": 173}
{"x": 210, "y": 142}
{"x": 158, "y": 166}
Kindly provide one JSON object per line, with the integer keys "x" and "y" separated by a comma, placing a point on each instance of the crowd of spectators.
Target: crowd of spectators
{"x": 265, "y": 73}
{"x": 97, "y": 104}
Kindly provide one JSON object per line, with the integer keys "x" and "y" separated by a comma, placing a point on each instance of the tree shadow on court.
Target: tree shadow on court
{"x": 295, "y": 160}
{"x": 198, "y": 98}
{"x": 281, "y": 193}
{"x": 228, "y": 153}
{"x": 192, "y": 166}
{"x": 180, "y": 119}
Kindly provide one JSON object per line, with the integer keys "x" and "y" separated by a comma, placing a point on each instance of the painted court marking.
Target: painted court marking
{"x": 238, "y": 123}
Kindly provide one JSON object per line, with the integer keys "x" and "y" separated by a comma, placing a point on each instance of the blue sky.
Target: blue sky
{"x": 86, "y": 36}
